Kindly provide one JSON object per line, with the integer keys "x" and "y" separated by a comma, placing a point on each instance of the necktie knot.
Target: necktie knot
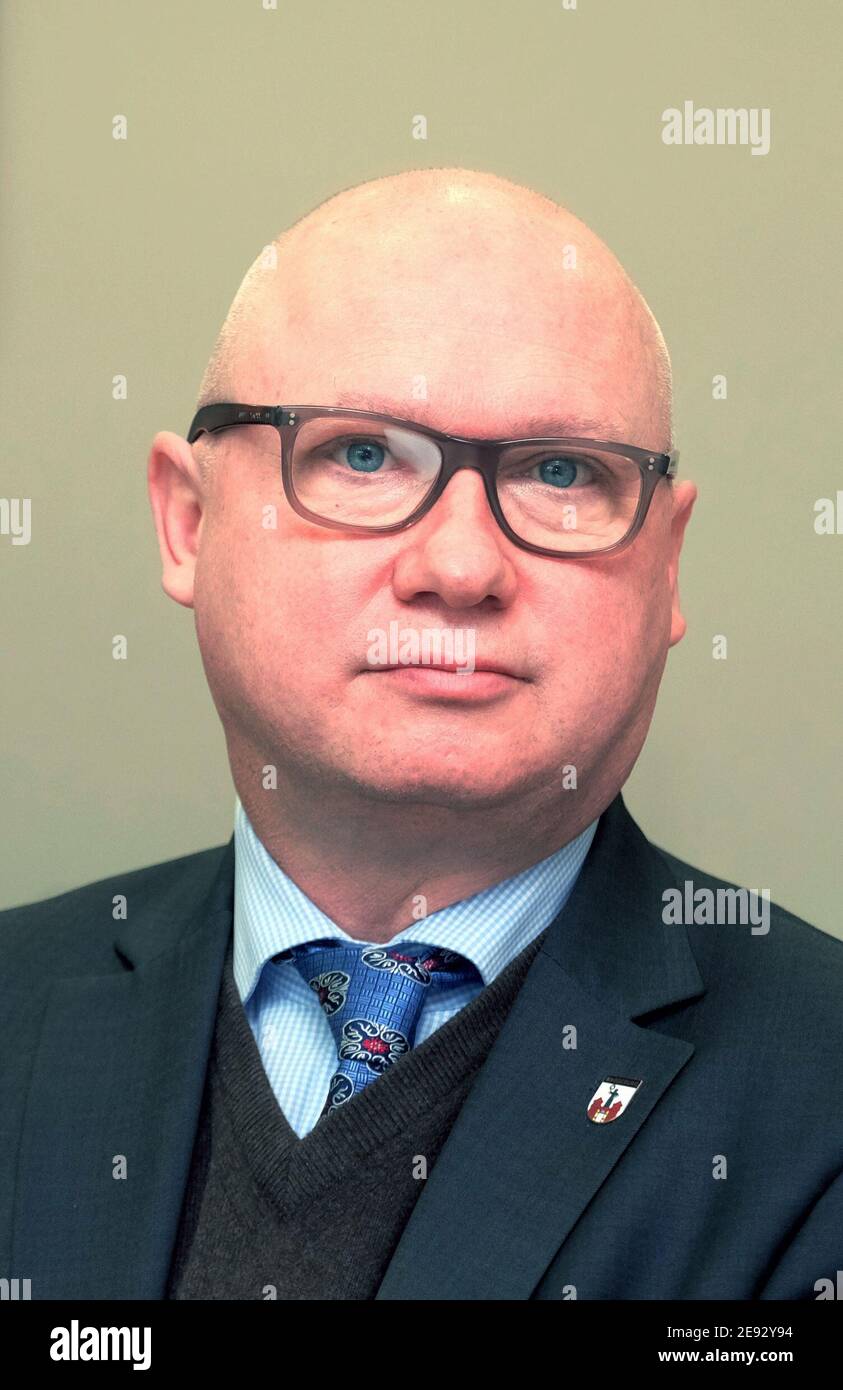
{"x": 372, "y": 997}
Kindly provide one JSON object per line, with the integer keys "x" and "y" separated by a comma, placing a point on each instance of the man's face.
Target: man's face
{"x": 285, "y": 614}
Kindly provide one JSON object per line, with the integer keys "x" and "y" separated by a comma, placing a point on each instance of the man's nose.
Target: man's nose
{"x": 457, "y": 551}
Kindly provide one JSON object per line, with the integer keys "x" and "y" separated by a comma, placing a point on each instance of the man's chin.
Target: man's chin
{"x": 462, "y": 788}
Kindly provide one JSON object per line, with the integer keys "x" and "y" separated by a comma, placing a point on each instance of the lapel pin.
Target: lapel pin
{"x": 611, "y": 1098}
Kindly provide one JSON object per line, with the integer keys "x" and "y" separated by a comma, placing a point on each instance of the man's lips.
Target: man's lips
{"x": 447, "y": 682}
{"x": 458, "y": 667}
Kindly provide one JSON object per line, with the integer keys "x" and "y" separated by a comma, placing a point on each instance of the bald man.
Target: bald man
{"x": 438, "y": 1021}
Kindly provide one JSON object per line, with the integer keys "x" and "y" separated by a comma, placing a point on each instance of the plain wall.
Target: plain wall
{"x": 121, "y": 257}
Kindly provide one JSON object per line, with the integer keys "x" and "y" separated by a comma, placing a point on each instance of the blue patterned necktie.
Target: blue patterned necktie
{"x": 372, "y": 996}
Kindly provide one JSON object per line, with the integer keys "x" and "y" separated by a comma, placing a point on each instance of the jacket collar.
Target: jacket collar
{"x": 128, "y": 1090}
{"x": 114, "y": 1096}
{"x": 611, "y": 937}
{"x": 523, "y": 1160}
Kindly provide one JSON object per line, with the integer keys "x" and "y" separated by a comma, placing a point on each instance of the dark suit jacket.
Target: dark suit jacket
{"x": 737, "y": 1038}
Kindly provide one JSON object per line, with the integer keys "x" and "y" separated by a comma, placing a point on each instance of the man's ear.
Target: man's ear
{"x": 684, "y": 497}
{"x": 177, "y": 498}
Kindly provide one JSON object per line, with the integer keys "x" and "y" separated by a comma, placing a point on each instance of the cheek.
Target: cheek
{"x": 239, "y": 595}
{"x": 230, "y": 575}
{"x": 611, "y": 632}
{"x": 274, "y": 606}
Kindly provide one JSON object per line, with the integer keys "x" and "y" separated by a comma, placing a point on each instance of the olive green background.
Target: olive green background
{"x": 122, "y": 257}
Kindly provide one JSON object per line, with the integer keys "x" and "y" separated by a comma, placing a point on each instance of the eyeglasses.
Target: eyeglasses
{"x": 357, "y": 471}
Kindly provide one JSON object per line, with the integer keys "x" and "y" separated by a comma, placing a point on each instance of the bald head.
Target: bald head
{"x": 452, "y": 296}
{"x": 481, "y": 309}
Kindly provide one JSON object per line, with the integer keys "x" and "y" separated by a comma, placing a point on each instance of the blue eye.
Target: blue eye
{"x": 365, "y": 456}
{"x": 559, "y": 472}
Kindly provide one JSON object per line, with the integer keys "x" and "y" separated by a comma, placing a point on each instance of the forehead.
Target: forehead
{"x": 555, "y": 420}
{"x": 491, "y": 346}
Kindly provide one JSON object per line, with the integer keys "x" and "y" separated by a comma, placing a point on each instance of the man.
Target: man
{"x": 437, "y": 1022}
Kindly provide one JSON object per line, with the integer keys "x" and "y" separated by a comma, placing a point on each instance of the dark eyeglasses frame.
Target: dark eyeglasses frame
{"x": 480, "y": 454}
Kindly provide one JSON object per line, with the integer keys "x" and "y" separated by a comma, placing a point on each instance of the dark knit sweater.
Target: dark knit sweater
{"x": 268, "y": 1214}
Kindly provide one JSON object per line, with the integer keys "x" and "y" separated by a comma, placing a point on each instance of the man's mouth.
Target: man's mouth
{"x": 448, "y": 682}
{"x": 455, "y": 666}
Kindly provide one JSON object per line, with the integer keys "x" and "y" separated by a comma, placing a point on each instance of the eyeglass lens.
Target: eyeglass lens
{"x": 374, "y": 474}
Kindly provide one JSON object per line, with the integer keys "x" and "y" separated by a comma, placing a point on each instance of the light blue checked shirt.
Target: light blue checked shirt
{"x": 271, "y": 914}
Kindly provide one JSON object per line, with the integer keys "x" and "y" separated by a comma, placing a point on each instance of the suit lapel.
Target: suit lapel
{"x": 119, "y": 1071}
{"x": 523, "y": 1160}
{"x": 519, "y": 1167}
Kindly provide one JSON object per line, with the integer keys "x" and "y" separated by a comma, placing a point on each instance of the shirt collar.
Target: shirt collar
{"x": 272, "y": 914}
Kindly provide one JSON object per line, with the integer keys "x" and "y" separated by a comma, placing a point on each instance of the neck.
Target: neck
{"x": 375, "y": 866}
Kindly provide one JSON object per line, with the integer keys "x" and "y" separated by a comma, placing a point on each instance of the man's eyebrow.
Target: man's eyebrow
{"x": 526, "y": 426}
